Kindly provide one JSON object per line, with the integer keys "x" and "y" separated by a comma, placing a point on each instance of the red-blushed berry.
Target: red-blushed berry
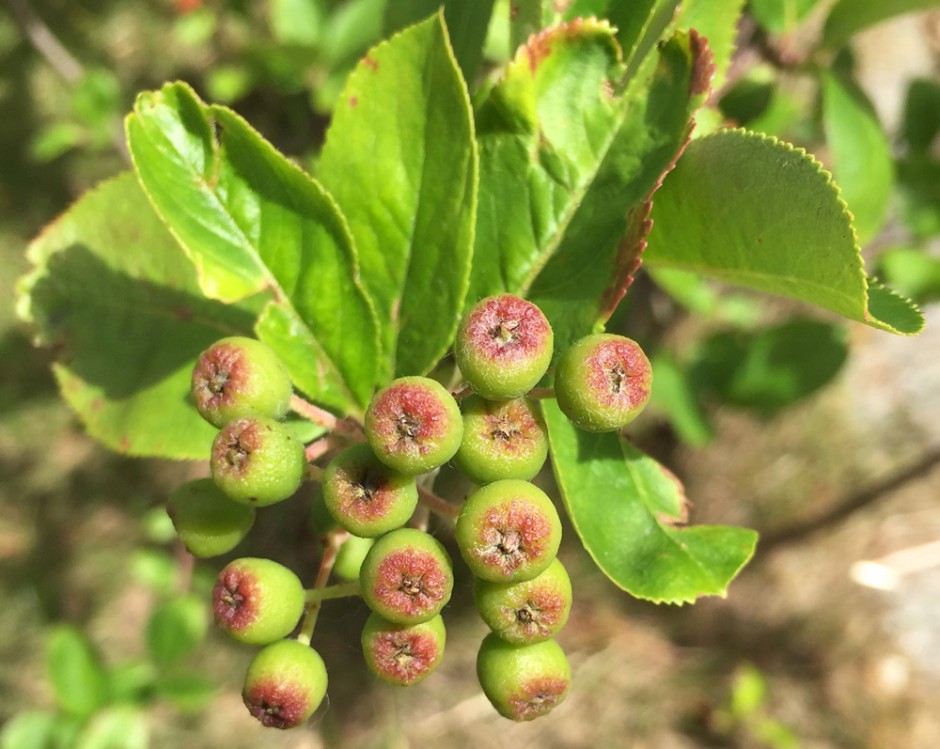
{"x": 403, "y": 654}
{"x": 257, "y": 601}
{"x": 603, "y": 382}
{"x": 257, "y": 461}
{"x": 523, "y": 682}
{"x": 207, "y": 522}
{"x": 407, "y": 576}
{"x": 365, "y": 496}
{"x": 285, "y": 683}
{"x": 350, "y": 556}
{"x": 413, "y": 425}
{"x": 508, "y": 531}
{"x": 501, "y": 440}
{"x": 530, "y": 611}
{"x": 503, "y": 346}
{"x": 238, "y": 377}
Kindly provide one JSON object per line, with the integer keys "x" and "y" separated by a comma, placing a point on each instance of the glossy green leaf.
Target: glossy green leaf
{"x": 769, "y": 369}
{"x": 117, "y": 727}
{"x": 566, "y": 166}
{"x": 749, "y": 210}
{"x": 75, "y": 669}
{"x": 717, "y": 21}
{"x": 176, "y": 628}
{"x": 113, "y": 291}
{"x": 400, "y": 159}
{"x": 848, "y": 17}
{"x": 253, "y": 222}
{"x": 639, "y": 24}
{"x": 860, "y": 153}
{"x": 627, "y": 509}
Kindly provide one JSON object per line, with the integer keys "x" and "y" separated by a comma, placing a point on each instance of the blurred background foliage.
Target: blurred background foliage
{"x": 821, "y": 436}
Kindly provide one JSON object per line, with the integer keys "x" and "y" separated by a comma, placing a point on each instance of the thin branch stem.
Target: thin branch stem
{"x": 323, "y": 417}
{"x": 437, "y": 505}
{"x": 331, "y": 543}
{"x": 319, "y": 447}
{"x": 312, "y": 472}
{"x": 540, "y": 393}
{"x": 45, "y": 42}
{"x": 341, "y": 590}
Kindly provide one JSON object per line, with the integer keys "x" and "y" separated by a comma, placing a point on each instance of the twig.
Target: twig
{"x": 342, "y": 590}
{"x": 322, "y": 417}
{"x": 331, "y": 544}
{"x": 437, "y": 505}
{"x": 45, "y": 42}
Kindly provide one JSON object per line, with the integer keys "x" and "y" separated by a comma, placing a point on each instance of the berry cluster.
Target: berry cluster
{"x": 507, "y": 531}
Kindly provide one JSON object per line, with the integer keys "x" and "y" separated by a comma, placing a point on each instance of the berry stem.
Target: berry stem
{"x": 540, "y": 393}
{"x": 341, "y": 590}
{"x": 320, "y": 416}
{"x": 437, "y": 505}
{"x": 312, "y": 472}
{"x": 331, "y": 543}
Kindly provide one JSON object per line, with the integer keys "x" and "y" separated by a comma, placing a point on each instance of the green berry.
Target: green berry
{"x": 503, "y": 346}
{"x": 413, "y": 425}
{"x": 603, "y": 382}
{"x": 523, "y": 682}
{"x": 206, "y": 520}
{"x": 365, "y": 496}
{"x": 257, "y": 461}
{"x": 238, "y": 377}
{"x": 285, "y": 683}
{"x": 501, "y": 440}
{"x": 407, "y": 576}
{"x": 319, "y": 520}
{"x": 257, "y": 601}
{"x": 530, "y": 611}
{"x": 508, "y": 531}
{"x": 350, "y": 557}
{"x": 403, "y": 654}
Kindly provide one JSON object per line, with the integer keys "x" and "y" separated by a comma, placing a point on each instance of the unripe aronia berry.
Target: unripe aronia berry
{"x": 530, "y": 611}
{"x": 501, "y": 440}
{"x": 523, "y": 682}
{"x": 365, "y": 496}
{"x": 285, "y": 683}
{"x": 238, "y": 377}
{"x": 257, "y": 461}
{"x": 503, "y": 346}
{"x": 508, "y": 531}
{"x": 603, "y": 382}
{"x": 350, "y": 557}
{"x": 413, "y": 425}
{"x": 207, "y": 521}
{"x": 407, "y": 576}
{"x": 257, "y": 601}
{"x": 403, "y": 654}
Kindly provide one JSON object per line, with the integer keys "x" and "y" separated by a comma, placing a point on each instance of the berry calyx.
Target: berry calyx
{"x": 413, "y": 425}
{"x": 503, "y": 346}
{"x": 365, "y": 496}
{"x": 603, "y": 382}
{"x": 530, "y": 611}
{"x": 403, "y": 654}
{"x": 257, "y": 601}
{"x": 508, "y": 531}
{"x": 238, "y": 377}
{"x": 501, "y": 440}
{"x": 207, "y": 522}
{"x": 285, "y": 683}
{"x": 523, "y": 682}
{"x": 407, "y": 576}
{"x": 257, "y": 461}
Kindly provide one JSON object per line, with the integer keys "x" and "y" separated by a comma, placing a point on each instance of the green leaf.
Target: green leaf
{"x": 676, "y": 397}
{"x": 912, "y": 272}
{"x": 175, "y": 629}
{"x": 848, "y": 17}
{"x": 400, "y": 158}
{"x": 749, "y": 210}
{"x": 117, "y": 727}
{"x": 717, "y": 21}
{"x": 626, "y": 508}
{"x": 112, "y": 290}
{"x": 639, "y": 24}
{"x": 779, "y": 16}
{"x": 921, "y": 115}
{"x": 188, "y": 692}
{"x": 296, "y": 21}
{"x": 861, "y": 155}
{"x": 75, "y": 669}
{"x": 253, "y": 222}
{"x": 29, "y": 730}
{"x": 769, "y": 369}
